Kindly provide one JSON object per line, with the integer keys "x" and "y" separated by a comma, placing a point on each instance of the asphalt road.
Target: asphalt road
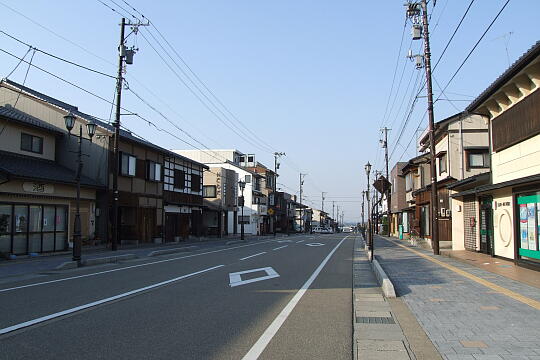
{"x": 189, "y": 306}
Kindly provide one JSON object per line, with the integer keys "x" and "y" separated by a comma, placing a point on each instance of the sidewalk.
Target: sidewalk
{"x": 383, "y": 328}
{"x": 495, "y": 265}
{"x": 469, "y": 313}
{"x": 48, "y": 262}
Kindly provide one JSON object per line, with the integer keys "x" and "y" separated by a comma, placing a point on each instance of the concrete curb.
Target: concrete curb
{"x": 108, "y": 259}
{"x": 172, "y": 251}
{"x": 385, "y": 282}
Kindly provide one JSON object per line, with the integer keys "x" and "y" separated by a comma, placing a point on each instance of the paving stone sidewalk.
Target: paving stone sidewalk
{"x": 464, "y": 319}
{"x": 377, "y": 336}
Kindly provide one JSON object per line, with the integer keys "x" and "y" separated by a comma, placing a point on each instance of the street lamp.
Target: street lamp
{"x": 69, "y": 120}
{"x": 242, "y": 185}
{"x": 367, "y": 167}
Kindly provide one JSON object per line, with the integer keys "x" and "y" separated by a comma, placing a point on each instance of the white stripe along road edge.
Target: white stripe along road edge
{"x": 129, "y": 267}
{"x": 281, "y": 247}
{"x": 261, "y": 344}
{"x": 250, "y": 256}
{"x": 99, "y": 302}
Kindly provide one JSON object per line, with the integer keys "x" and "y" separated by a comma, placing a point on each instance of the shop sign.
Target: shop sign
{"x": 38, "y": 188}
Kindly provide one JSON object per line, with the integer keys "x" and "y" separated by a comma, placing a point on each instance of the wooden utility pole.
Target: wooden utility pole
{"x": 431, "y": 117}
{"x": 388, "y": 205}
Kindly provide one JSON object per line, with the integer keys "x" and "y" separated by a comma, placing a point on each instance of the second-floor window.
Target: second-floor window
{"x": 195, "y": 182}
{"x": 408, "y": 182}
{"x": 31, "y": 143}
{"x": 179, "y": 179}
{"x": 247, "y": 179}
{"x": 153, "y": 171}
{"x": 443, "y": 163}
{"x": 209, "y": 191}
{"x": 478, "y": 159}
{"x": 127, "y": 164}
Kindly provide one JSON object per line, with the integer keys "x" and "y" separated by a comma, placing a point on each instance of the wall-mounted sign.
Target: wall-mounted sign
{"x": 38, "y": 188}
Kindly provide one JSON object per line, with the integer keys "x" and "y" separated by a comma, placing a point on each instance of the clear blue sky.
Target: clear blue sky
{"x": 312, "y": 78}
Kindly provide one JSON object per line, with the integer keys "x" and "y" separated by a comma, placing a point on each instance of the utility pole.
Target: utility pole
{"x": 116, "y": 153}
{"x": 276, "y": 167}
{"x": 124, "y": 56}
{"x": 333, "y": 213}
{"x": 388, "y": 206}
{"x": 413, "y": 12}
{"x": 302, "y": 176}
{"x": 322, "y": 206}
{"x": 377, "y": 174}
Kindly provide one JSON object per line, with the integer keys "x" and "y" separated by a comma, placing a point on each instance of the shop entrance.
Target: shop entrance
{"x": 486, "y": 225}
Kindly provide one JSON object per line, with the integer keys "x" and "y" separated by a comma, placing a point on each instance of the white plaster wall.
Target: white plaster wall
{"x": 458, "y": 231}
{"x": 503, "y": 223}
{"x": 517, "y": 161}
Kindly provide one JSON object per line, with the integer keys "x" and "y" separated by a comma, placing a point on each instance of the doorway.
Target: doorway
{"x": 486, "y": 225}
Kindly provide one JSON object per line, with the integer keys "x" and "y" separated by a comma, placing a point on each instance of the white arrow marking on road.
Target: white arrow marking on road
{"x": 99, "y": 302}
{"x": 314, "y": 244}
{"x": 235, "y": 279}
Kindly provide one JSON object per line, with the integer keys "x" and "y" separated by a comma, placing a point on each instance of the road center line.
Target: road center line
{"x": 99, "y": 302}
{"x": 281, "y": 247}
{"x": 300, "y": 241}
{"x": 531, "y": 302}
{"x": 248, "y": 257}
{"x": 127, "y": 267}
{"x": 261, "y": 344}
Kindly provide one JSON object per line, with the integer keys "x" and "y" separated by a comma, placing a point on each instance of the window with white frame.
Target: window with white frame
{"x": 408, "y": 182}
{"x": 127, "y": 164}
{"x": 153, "y": 171}
{"x": 443, "y": 162}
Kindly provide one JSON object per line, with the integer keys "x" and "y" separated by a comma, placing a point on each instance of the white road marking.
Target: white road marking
{"x": 284, "y": 241}
{"x": 99, "y": 302}
{"x": 127, "y": 267}
{"x": 281, "y": 247}
{"x": 261, "y": 344}
{"x": 235, "y": 279}
{"x": 250, "y": 256}
{"x": 314, "y": 244}
{"x": 300, "y": 241}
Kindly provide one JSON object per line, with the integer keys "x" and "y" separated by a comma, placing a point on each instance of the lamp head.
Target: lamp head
{"x": 368, "y": 168}
{"x": 69, "y": 120}
{"x": 91, "y": 128}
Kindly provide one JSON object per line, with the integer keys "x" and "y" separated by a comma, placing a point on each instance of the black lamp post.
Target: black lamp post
{"x": 242, "y": 185}
{"x": 91, "y": 129}
{"x": 367, "y": 167}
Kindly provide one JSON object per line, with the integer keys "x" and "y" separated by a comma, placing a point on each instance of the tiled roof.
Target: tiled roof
{"x": 75, "y": 110}
{"x": 18, "y": 116}
{"x": 28, "y": 167}
{"x": 513, "y": 70}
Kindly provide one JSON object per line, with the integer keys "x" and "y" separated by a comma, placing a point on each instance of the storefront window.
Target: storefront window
{"x": 5, "y": 228}
{"x": 33, "y": 228}
{"x": 529, "y": 225}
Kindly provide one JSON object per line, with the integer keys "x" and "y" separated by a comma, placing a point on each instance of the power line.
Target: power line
{"x": 55, "y": 56}
{"x": 475, "y": 45}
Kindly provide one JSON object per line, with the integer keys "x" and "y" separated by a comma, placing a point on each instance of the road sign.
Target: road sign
{"x": 270, "y": 211}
